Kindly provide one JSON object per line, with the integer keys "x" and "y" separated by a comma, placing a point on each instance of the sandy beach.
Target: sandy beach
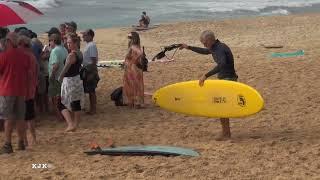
{"x": 280, "y": 142}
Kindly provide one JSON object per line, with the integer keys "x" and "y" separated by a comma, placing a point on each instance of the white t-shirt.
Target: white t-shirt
{"x": 88, "y": 52}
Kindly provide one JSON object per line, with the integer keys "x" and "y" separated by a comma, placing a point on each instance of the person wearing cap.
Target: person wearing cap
{"x": 223, "y": 56}
{"x": 57, "y": 58}
{"x": 53, "y": 30}
{"x": 90, "y": 75}
{"x": 43, "y": 86}
{"x": 14, "y": 67}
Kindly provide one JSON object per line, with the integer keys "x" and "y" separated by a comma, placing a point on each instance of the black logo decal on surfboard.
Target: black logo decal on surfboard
{"x": 219, "y": 100}
{"x": 241, "y": 100}
{"x": 177, "y": 99}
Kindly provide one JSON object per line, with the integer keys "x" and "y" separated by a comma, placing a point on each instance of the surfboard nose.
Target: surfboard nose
{"x": 155, "y": 98}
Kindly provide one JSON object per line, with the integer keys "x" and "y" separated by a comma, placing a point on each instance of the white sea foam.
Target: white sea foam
{"x": 231, "y": 5}
{"x": 43, "y": 4}
{"x": 276, "y": 12}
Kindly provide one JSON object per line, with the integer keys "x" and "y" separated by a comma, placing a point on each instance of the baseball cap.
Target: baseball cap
{"x": 53, "y": 30}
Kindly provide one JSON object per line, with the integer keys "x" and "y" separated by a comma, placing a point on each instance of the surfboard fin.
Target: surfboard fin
{"x": 95, "y": 146}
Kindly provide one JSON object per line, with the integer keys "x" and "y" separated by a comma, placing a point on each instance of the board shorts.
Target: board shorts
{"x": 90, "y": 78}
{"x": 30, "y": 112}
{"x": 43, "y": 85}
{"x": 12, "y": 108}
{"x": 54, "y": 88}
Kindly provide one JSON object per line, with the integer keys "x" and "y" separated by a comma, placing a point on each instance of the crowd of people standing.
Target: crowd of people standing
{"x": 32, "y": 74}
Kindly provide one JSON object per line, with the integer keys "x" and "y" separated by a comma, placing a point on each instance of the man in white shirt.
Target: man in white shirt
{"x": 90, "y": 76}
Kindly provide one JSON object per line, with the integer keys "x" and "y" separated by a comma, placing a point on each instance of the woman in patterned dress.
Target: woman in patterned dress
{"x": 133, "y": 87}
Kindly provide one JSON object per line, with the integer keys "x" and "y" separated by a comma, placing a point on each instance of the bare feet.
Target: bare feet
{"x": 75, "y": 124}
{"x": 33, "y": 141}
{"x": 139, "y": 106}
{"x": 70, "y": 129}
{"x": 90, "y": 113}
{"x": 26, "y": 143}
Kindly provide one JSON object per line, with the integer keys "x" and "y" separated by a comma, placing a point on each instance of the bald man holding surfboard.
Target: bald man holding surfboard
{"x": 223, "y": 57}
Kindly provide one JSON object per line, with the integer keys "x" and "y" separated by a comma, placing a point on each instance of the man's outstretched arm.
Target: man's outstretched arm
{"x": 196, "y": 49}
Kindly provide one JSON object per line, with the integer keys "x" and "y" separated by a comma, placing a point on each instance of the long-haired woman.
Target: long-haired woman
{"x": 133, "y": 87}
{"x": 72, "y": 86}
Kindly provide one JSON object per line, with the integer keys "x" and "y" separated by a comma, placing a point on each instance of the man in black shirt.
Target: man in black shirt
{"x": 223, "y": 57}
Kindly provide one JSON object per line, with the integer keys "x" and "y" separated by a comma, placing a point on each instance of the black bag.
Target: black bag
{"x": 143, "y": 62}
{"x": 116, "y": 96}
{"x": 83, "y": 73}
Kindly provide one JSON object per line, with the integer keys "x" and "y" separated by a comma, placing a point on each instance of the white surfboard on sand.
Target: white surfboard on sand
{"x": 138, "y": 28}
{"x": 118, "y": 63}
{"x": 112, "y": 63}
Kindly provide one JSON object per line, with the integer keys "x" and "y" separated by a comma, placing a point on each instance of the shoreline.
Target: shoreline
{"x": 233, "y": 17}
{"x": 252, "y": 17}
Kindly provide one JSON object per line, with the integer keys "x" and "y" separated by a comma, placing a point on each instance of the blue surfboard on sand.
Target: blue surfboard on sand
{"x": 288, "y": 54}
{"x": 144, "y": 151}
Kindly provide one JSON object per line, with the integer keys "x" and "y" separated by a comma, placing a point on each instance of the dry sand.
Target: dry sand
{"x": 280, "y": 142}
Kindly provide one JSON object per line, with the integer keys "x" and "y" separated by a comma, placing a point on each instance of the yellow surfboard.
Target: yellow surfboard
{"x": 216, "y": 98}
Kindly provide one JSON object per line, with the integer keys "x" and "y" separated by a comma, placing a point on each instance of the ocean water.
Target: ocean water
{"x": 124, "y": 13}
